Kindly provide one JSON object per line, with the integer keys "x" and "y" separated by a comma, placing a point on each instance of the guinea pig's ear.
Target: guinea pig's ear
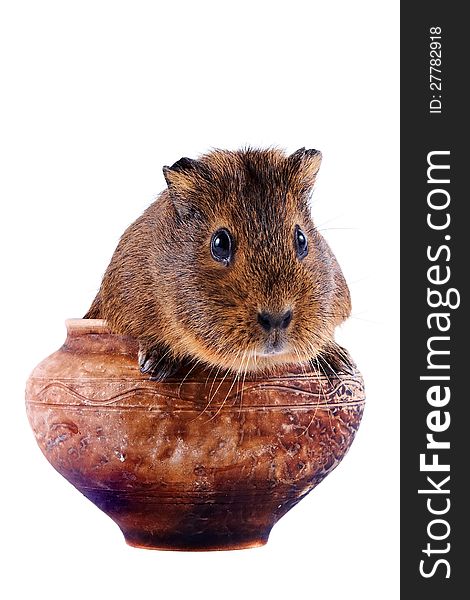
{"x": 178, "y": 173}
{"x": 305, "y": 165}
{"x": 184, "y": 179}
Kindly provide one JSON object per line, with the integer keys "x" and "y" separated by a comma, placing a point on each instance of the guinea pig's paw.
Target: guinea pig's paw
{"x": 156, "y": 362}
{"x": 332, "y": 360}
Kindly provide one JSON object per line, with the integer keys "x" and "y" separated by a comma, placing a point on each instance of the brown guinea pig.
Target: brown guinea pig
{"x": 226, "y": 268}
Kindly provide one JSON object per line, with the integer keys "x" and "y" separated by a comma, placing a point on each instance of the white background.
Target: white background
{"x": 97, "y": 97}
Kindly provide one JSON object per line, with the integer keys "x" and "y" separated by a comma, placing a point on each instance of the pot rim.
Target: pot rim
{"x": 85, "y": 326}
{"x": 78, "y": 327}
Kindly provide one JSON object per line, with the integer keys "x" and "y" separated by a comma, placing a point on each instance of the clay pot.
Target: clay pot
{"x": 172, "y": 469}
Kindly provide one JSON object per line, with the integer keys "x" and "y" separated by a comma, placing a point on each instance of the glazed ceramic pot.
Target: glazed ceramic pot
{"x": 194, "y": 462}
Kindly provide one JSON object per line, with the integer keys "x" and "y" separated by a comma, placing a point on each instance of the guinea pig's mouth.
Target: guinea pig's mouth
{"x": 270, "y": 353}
{"x": 272, "y": 347}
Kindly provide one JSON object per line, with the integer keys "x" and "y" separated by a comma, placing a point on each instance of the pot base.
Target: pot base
{"x": 197, "y": 544}
{"x": 178, "y": 521}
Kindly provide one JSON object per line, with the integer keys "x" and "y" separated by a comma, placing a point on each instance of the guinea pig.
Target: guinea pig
{"x": 226, "y": 268}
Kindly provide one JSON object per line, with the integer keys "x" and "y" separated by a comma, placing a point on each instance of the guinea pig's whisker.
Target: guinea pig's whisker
{"x": 244, "y": 367}
{"x": 210, "y": 392}
{"x": 226, "y": 397}
{"x": 337, "y": 229}
{"x": 215, "y": 393}
{"x": 211, "y": 395}
{"x": 319, "y": 358}
{"x": 332, "y": 220}
{"x": 208, "y": 375}
{"x": 186, "y": 376}
{"x": 302, "y": 366}
{"x": 237, "y": 391}
{"x": 374, "y": 321}
{"x": 240, "y": 370}
{"x": 325, "y": 394}
{"x": 219, "y": 368}
{"x": 301, "y": 363}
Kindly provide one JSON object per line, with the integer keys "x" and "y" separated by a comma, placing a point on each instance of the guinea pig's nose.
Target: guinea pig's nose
{"x": 269, "y": 321}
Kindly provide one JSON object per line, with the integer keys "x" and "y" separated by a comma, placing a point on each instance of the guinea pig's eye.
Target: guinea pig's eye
{"x": 301, "y": 244}
{"x": 222, "y": 246}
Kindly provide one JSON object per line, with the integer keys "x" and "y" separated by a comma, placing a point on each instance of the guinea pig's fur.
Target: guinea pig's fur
{"x": 164, "y": 287}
